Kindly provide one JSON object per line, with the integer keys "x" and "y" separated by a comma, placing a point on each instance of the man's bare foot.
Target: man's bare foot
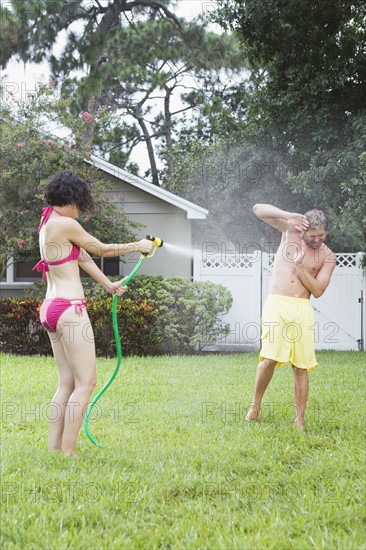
{"x": 299, "y": 424}
{"x": 253, "y": 414}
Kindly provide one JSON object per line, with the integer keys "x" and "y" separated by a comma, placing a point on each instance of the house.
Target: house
{"x": 162, "y": 214}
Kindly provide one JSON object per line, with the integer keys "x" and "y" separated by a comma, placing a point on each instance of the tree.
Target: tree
{"x": 30, "y": 29}
{"x": 228, "y": 178}
{"x": 125, "y": 76}
{"x": 29, "y": 157}
{"x": 310, "y": 104}
{"x": 143, "y": 83}
{"x": 288, "y": 138}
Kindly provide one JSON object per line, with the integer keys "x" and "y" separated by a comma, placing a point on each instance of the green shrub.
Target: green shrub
{"x": 23, "y": 334}
{"x": 188, "y": 313}
{"x": 21, "y": 331}
{"x": 136, "y": 326}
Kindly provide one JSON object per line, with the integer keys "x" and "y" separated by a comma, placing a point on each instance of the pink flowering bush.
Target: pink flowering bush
{"x": 87, "y": 116}
{"x": 30, "y": 157}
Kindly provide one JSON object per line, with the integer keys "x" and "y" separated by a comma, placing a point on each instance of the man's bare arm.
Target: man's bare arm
{"x": 316, "y": 285}
{"x": 280, "y": 219}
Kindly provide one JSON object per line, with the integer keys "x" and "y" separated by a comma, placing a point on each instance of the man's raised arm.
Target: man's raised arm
{"x": 280, "y": 219}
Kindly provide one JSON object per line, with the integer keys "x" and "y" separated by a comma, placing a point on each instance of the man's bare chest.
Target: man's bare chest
{"x": 287, "y": 254}
{"x": 313, "y": 262}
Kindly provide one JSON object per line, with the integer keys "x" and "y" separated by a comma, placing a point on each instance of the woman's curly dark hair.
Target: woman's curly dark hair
{"x": 67, "y": 188}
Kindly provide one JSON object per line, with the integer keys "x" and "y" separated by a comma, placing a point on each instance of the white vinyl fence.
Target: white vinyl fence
{"x": 339, "y": 313}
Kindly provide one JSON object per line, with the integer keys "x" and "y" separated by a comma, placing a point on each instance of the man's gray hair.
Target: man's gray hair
{"x": 316, "y": 219}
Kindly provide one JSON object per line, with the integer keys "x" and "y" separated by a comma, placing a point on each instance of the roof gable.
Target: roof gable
{"x": 193, "y": 211}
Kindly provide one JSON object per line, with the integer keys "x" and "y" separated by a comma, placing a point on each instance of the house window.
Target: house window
{"x": 9, "y": 280}
{"x": 23, "y": 268}
{"x": 109, "y": 266}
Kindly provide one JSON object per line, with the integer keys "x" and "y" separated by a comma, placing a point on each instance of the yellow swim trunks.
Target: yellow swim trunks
{"x": 288, "y": 331}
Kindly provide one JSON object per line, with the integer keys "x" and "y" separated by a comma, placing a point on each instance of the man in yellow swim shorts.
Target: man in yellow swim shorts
{"x": 302, "y": 267}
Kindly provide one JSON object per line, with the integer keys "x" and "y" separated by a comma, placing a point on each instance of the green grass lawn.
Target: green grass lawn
{"x": 182, "y": 469}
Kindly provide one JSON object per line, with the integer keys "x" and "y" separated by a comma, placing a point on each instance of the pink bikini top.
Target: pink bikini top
{"x": 42, "y": 265}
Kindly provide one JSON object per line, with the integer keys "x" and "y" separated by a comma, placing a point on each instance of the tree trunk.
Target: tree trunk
{"x": 168, "y": 132}
{"x": 150, "y": 150}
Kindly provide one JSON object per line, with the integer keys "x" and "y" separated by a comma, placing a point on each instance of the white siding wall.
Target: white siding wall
{"x": 162, "y": 220}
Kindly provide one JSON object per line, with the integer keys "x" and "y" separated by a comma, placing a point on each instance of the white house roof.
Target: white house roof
{"x": 194, "y": 212}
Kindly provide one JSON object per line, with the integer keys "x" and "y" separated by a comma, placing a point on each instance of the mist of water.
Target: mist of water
{"x": 182, "y": 250}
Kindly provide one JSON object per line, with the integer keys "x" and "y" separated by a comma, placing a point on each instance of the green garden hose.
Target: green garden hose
{"x": 158, "y": 243}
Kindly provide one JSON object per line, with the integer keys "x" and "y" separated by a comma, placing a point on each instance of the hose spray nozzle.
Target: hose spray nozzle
{"x": 158, "y": 242}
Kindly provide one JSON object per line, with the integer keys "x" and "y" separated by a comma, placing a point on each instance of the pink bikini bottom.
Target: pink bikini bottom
{"x": 52, "y": 309}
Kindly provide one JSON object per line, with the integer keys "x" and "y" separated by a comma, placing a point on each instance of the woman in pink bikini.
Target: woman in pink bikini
{"x": 64, "y": 247}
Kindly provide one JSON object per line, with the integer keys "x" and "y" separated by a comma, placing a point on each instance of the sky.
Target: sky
{"x": 21, "y": 79}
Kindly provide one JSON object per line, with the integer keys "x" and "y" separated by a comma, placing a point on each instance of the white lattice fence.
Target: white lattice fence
{"x": 338, "y": 313}
{"x": 241, "y": 274}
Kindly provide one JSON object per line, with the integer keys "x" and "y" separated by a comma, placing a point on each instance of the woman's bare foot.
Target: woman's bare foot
{"x": 74, "y": 454}
{"x": 253, "y": 414}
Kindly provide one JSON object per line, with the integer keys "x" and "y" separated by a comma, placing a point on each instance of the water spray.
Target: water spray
{"x": 158, "y": 242}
